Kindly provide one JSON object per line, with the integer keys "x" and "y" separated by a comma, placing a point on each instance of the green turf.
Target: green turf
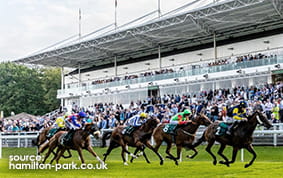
{"x": 268, "y": 164}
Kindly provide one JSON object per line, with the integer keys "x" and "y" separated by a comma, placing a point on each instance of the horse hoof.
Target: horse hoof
{"x": 133, "y": 156}
{"x": 222, "y": 162}
{"x": 161, "y": 162}
{"x": 131, "y": 160}
{"x": 125, "y": 164}
{"x": 247, "y": 165}
{"x": 176, "y": 163}
{"x": 214, "y": 162}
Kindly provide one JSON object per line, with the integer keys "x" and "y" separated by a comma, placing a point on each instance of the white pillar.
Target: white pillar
{"x": 62, "y": 84}
{"x": 115, "y": 65}
{"x": 80, "y": 84}
{"x": 159, "y": 57}
{"x": 214, "y": 46}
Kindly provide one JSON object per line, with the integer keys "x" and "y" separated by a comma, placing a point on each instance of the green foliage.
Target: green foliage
{"x": 24, "y": 89}
{"x": 51, "y": 83}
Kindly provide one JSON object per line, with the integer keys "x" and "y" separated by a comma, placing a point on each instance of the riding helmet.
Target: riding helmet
{"x": 244, "y": 104}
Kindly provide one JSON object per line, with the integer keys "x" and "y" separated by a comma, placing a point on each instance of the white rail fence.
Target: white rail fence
{"x": 24, "y": 139}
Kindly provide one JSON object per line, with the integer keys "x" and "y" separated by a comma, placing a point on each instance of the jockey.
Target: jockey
{"x": 134, "y": 122}
{"x": 236, "y": 115}
{"x": 57, "y": 126}
{"x": 74, "y": 122}
{"x": 181, "y": 117}
{"x": 60, "y": 123}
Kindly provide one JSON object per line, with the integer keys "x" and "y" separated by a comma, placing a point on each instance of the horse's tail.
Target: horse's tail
{"x": 105, "y": 136}
{"x": 200, "y": 140}
{"x": 35, "y": 141}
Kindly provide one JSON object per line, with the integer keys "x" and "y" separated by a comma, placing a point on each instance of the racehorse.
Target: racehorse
{"x": 42, "y": 137}
{"x": 185, "y": 135}
{"x": 241, "y": 138}
{"x": 81, "y": 140}
{"x": 142, "y": 135}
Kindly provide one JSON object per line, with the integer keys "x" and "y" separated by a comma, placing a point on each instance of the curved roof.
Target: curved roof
{"x": 227, "y": 19}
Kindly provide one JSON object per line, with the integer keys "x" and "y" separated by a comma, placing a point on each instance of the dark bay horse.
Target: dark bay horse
{"x": 142, "y": 135}
{"x": 241, "y": 138}
{"x": 81, "y": 140}
{"x": 184, "y": 138}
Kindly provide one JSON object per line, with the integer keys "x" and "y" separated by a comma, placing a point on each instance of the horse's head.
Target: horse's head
{"x": 202, "y": 119}
{"x": 93, "y": 129}
{"x": 150, "y": 123}
{"x": 261, "y": 119}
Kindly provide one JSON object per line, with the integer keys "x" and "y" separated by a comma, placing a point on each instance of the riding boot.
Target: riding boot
{"x": 231, "y": 128}
{"x": 68, "y": 137}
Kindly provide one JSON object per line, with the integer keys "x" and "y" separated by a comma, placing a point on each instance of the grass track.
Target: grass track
{"x": 269, "y": 163}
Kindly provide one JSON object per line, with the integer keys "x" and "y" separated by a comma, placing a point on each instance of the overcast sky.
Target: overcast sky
{"x": 28, "y": 26}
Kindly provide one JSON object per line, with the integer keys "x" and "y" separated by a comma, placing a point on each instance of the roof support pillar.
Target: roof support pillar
{"x": 80, "y": 84}
{"x": 214, "y": 46}
{"x": 115, "y": 66}
{"x": 62, "y": 85}
{"x": 159, "y": 57}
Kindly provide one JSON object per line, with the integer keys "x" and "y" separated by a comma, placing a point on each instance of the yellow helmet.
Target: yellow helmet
{"x": 143, "y": 115}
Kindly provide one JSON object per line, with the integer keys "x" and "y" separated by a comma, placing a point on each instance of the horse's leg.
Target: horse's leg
{"x": 136, "y": 151}
{"x": 252, "y": 151}
{"x": 168, "y": 148}
{"x": 235, "y": 151}
{"x": 179, "y": 149}
{"x": 145, "y": 157}
{"x": 55, "y": 155}
{"x": 220, "y": 152}
{"x": 194, "y": 149}
{"x": 60, "y": 154}
{"x": 47, "y": 155}
{"x": 155, "y": 150}
{"x": 69, "y": 156}
{"x": 81, "y": 155}
{"x": 110, "y": 148}
{"x": 208, "y": 149}
{"x": 50, "y": 150}
{"x": 123, "y": 157}
{"x": 43, "y": 147}
{"x": 89, "y": 148}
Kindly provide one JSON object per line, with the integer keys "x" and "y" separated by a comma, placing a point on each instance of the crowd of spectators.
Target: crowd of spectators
{"x": 267, "y": 98}
{"x": 224, "y": 61}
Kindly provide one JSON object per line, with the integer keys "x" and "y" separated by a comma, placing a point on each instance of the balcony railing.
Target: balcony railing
{"x": 182, "y": 73}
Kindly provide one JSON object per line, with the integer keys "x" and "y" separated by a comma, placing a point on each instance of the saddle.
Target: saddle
{"x": 222, "y": 128}
{"x": 52, "y": 132}
{"x": 128, "y": 130}
{"x": 66, "y": 138}
{"x": 170, "y": 129}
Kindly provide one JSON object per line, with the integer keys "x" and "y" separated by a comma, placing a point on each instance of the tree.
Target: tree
{"x": 21, "y": 89}
{"x": 51, "y": 78}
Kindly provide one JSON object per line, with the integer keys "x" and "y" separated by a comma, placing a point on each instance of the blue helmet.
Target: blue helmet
{"x": 243, "y": 104}
{"x": 82, "y": 114}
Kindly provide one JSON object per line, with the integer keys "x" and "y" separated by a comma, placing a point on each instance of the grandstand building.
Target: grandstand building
{"x": 220, "y": 45}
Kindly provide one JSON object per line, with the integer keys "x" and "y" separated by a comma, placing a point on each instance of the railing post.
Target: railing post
{"x": 19, "y": 140}
{"x": 26, "y": 141}
{"x": 274, "y": 137}
{"x": 242, "y": 155}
